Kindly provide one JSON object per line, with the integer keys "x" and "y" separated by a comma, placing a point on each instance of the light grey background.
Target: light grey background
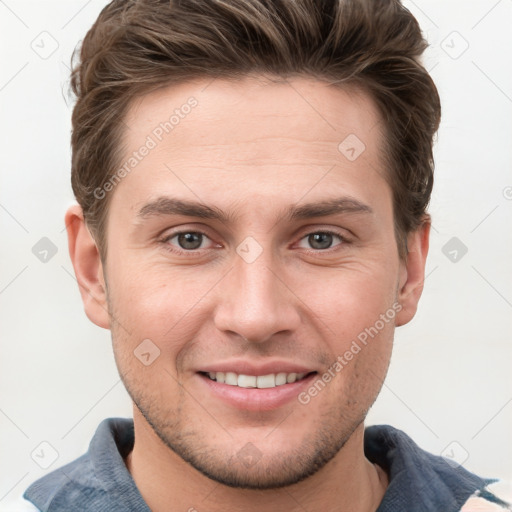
{"x": 449, "y": 385}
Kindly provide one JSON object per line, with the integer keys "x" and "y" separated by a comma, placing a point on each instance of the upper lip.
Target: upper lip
{"x": 252, "y": 368}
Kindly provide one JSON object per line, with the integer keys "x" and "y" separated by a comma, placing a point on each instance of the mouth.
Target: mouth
{"x": 256, "y": 392}
{"x": 272, "y": 380}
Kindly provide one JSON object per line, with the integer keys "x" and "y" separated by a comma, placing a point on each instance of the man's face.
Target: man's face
{"x": 255, "y": 291}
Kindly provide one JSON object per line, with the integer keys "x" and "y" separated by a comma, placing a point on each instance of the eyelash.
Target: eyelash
{"x": 168, "y": 247}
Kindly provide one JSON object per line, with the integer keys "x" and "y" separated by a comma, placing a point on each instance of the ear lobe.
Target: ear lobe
{"x": 413, "y": 273}
{"x": 88, "y": 267}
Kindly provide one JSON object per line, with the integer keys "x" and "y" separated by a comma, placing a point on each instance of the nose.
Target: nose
{"x": 255, "y": 300}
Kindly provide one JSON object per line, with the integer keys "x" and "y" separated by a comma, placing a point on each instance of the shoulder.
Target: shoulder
{"x": 419, "y": 479}
{"x": 71, "y": 479}
{"x": 98, "y": 480}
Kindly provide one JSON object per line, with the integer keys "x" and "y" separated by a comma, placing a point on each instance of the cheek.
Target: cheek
{"x": 360, "y": 362}
{"x": 158, "y": 304}
{"x": 352, "y": 301}
{"x": 151, "y": 296}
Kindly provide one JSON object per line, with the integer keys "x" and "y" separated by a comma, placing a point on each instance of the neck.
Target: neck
{"x": 348, "y": 482}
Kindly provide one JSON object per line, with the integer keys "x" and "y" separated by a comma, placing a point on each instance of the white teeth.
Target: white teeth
{"x": 231, "y": 379}
{"x": 251, "y": 381}
{"x": 280, "y": 379}
{"x": 247, "y": 381}
{"x": 267, "y": 381}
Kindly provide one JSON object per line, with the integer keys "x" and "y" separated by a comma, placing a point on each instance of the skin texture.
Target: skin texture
{"x": 251, "y": 148}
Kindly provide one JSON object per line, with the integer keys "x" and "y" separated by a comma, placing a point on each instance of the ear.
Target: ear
{"x": 88, "y": 267}
{"x": 412, "y": 273}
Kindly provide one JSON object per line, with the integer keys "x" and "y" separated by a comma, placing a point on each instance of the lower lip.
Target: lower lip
{"x": 255, "y": 399}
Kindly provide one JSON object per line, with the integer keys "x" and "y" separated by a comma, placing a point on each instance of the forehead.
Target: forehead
{"x": 273, "y": 137}
{"x": 319, "y": 111}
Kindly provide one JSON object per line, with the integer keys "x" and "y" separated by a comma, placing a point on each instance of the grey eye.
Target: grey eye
{"x": 189, "y": 240}
{"x": 320, "y": 240}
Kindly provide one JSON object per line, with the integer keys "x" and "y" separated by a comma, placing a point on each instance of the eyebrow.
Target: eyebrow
{"x": 172, "y": 206}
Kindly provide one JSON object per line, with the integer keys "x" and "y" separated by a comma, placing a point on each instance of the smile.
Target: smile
{"x": 255, "y": 392}
{"x": 271, "y": 380}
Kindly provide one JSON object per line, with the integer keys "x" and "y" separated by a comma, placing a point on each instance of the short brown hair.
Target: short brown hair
{"x": 137, "y": 46}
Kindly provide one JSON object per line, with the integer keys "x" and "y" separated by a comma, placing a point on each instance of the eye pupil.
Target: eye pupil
{"x": 324, "y": 239}
{"x": 190, "y": 240}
